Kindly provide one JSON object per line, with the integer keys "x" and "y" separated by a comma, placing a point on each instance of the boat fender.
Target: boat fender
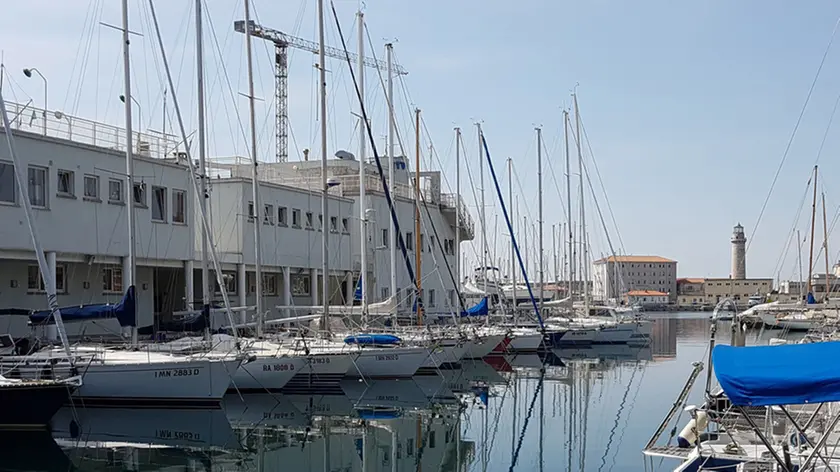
{"x": 688, "y": 436}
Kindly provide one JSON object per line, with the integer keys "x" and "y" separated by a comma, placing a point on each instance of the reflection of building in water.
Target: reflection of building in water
{"x": 663, "y": 339}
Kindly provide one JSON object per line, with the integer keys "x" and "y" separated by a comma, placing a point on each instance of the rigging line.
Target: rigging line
{"x": 617, "y": 421}
{"x": 386, "y": 190}
{"x": 93, "y": 7}
{"x": 781, "y": 261}
{"x": 515, "y": 457}
{"x": 793, "y": 134}
{"x": 603, "y": 187}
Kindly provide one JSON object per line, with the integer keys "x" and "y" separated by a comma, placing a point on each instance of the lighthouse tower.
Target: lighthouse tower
{"x": 739, "y": 253}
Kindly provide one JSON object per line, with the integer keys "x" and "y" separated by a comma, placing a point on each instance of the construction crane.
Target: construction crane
{"x": 282, "y": 42}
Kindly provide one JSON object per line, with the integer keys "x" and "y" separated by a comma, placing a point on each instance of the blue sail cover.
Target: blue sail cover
{"x": 787, "y": 374}
{"x": 124, "y": 311}
{"x": 479, "y": 309}
{"x": 368, "y": 339}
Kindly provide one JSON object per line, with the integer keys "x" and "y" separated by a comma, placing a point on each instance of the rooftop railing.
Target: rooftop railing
{"x": 56, "y": 124}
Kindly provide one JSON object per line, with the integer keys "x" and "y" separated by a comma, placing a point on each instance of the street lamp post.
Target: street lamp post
{"x": 28, "y": 73}
{"x": 139, "y": 117}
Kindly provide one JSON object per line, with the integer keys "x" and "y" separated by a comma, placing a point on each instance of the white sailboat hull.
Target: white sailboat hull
{"x": 116, "y": 377}
{"x": 388, "y": 363}
{"x": 267, "y": 373}
{"x": 482, "y": 346}
{"x": 525, "y": 342}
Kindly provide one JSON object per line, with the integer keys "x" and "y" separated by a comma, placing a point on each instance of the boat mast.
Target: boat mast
{"x": 540, "y": 214}
{"x": 799, "y": 256}
{"x": 571, "y": 280}
{"x": 512, "y": 247}
{"x": 360, "y": 73}
{"x": 457, "y": 247}
{"x": 255, "y": 186}
{"x": 554, "y": 251}
{"x": 392, "y": 243}
{"x": 43, "y": 267}
{"x": 322, "y": 67}
{"x": 418, "y": 249}
{"x": 202, "y": 165}
{"x": 483, "y": 220}
{"x": 131, "y": 276}
{"x": 584, "y": 258}
{"x": 825, "y": 250}
{"x": 813, "y": 223}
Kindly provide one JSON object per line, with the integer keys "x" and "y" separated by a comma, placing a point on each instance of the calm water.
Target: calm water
{"x": 591, "y": 410}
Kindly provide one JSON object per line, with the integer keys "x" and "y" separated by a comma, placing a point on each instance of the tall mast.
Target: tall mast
{"x": 418, "y": 249}
{"x": 584, "y": 258}
{"x": 389, "y": 52}
{"x": 202, "y": 163}
{"x": 131, "y": 276}
{"x": 571, "y": 280}
{"x": 255, "y": 186}
{"x": 322, "y": 67}
{"x": 825, "y": 250}
{"x": 456, "y": 249}
{"x": 799, "y": 257}
{"x": 512, "y": 247}
{"x": 813, "y": 223}
{"x": 43, "y": 267}
{"x": 360, "y": 73}
{"x": 554, "y": 251}
{"x": 540, "y": 214}
{"x": 483, "y": 220}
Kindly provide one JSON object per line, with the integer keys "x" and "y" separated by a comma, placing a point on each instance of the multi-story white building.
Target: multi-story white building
{"x": 77, "y": 183}
{"x": 614, "y": 276}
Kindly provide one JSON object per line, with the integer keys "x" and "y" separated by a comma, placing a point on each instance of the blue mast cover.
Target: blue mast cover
{"x": 787, "y": 374}
{"x": 124, "y": 312}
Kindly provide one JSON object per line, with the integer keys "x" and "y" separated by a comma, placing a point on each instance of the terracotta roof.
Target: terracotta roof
{"x": 648, "y": 293}
{"x": 643, "y": 259}
{"x": 689, "y": 280}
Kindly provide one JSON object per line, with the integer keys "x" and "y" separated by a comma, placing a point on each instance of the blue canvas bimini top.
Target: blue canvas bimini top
{"x": 787, "y": 374}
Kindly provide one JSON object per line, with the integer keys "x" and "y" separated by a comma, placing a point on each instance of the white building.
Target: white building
{"x": 614, "y": 276}
{"x": 77, "y": 176}
{"x": 646, "y": 298}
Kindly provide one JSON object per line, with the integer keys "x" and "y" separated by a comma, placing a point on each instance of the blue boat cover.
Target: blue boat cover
{"x": 357, "y": 295}
{"x": 124, "y": 312}
{"x": 479, "y": 309}
{"x": 372, "y": 339}
{"x": 787, "y": 374}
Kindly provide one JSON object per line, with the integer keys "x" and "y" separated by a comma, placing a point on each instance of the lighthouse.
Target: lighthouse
{"x": 739, "y": 254}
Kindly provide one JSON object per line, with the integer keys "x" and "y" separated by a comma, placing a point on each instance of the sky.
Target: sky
{"x": 688, "y": 106}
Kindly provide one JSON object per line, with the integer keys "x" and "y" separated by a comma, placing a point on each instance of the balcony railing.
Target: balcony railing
{"x": 55, "y": 124}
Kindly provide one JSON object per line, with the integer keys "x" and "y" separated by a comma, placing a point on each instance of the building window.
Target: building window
{"x": 66, "y": 183}
{"x": 8, "y": 186}
{"x": 179, "y": 206}
{"x": 308, "y": 220}
{"x": 35, "y": 283}
{"x": 320, "y": 222}
{"x": 229, "y": 279}
{"x": 159, "y": 204}
{"x": 345, "y": 225}
{"x": 385, "y": 240}
{"x": 112, "y": 279}
{"x": 300, "y": 285}
{"x": 422, "y": 243}
{"x": 140, "y": 194}
{"x": 452, "y": 301}
{"x": 250, "y": 211}
{"x": 431, "y": 297}
{"x": 333, "y": 224}
{"x": 268, "y": 214}
{"x": 431, "y": 244}
{"x": 115, "y": 191}
{"x": 269, "y": 285}
{"x": 409, "y": 241}
{"x": 385, "y": 292}
{"x": 282, "y": 216}
{"x": 296, "y": 218}
{"x": 38, "y": 186}
{"x": 91, "y": 190}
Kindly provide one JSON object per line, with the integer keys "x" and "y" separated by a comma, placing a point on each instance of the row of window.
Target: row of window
{"x": 112, "y": 279}
{"x": 282, "y": 218}
{"x": 38, "y": 191}
{"x": 448, "y": 244}
{"x": 300, "y": 284}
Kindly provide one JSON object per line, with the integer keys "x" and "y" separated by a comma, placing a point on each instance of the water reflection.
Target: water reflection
{"x": 576, "y": 409}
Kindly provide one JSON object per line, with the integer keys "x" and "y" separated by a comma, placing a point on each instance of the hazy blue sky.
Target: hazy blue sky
{"x": 688, "y": 105}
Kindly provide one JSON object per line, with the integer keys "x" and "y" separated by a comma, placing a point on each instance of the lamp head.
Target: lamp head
{"x": 122, "y": 98}
{"x": 27, "y": 72}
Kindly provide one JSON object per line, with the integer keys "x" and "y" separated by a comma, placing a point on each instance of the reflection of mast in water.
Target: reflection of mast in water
{"x": 663, "y": 338}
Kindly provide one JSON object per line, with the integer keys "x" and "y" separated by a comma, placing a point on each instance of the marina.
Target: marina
{"x": 223, "y": 260}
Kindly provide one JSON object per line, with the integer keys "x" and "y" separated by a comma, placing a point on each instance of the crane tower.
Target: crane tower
{"x": 282, "y": 42}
